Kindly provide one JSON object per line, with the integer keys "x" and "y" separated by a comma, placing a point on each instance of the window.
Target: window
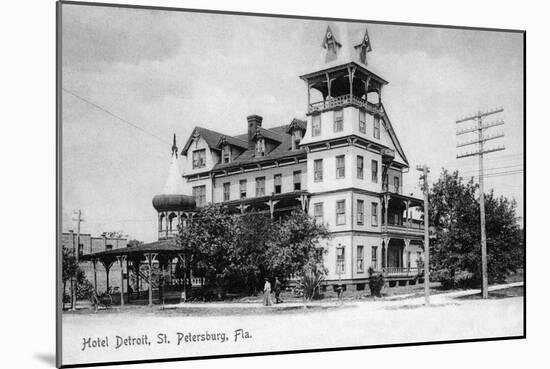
{"x": 316, "y": 125}
{"x": 408, "y": 259}
{"x": 277, "y": 180}
{"x": 199, "y": 158}
{"x": 396, "y": 184}
{"x": 360, "y": 265}
{"x": 376, "y": 127}
{"x": 341, "y": 212}
{"x": 360, "y": 166}
{"x": 80, "y": 250}
{"x": 226, "y": 154}
{"x": 226, "y": 191}
{"x": 374, "y": 257}
{"x": 297, "y": 178}
{"x": 338, "y": 120}
{"x": 260, "y": 147}
{"x": 340, "y": 260}
{"x": 362, "y": 121}
{"x": 242, "y": 188}
{"x": 296, "y": 138}
{"x": 374, "y": 214}
{"x": 108, "y": 247}
{"x": 318, "y": 170}
{"x": 360, "y": 212}
{"x": 318, "y": 212}
{"x": 419, "y": 260}
{"x": 374, "y": 172}
{"x": 340, "y": 166}
{"x": 199, "y": 193}
{"x": 260, "y": 186}
{"x": 385, "y": 182}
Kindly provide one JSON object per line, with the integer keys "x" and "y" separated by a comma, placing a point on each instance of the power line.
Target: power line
{"x": 494, "y": 168}
{"x": 115, "y": 116}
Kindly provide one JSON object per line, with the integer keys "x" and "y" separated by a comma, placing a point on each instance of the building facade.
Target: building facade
{"x": 89, "y": 244}
{"x": 343, "y": 164}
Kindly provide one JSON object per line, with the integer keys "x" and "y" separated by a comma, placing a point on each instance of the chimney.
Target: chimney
{"x": 254, "y": 121}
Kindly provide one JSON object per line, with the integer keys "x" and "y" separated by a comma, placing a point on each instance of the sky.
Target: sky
{"x": 167, "y": 72}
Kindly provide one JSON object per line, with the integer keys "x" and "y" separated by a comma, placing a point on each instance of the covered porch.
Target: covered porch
{"x": 151, "y": 272}
{"x": 274, "y": 205}
{"x": 402, "y": 259}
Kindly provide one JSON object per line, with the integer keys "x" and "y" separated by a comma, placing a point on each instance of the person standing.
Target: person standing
{"x": 267, "y": 293}
{"x": 277, "y": 291}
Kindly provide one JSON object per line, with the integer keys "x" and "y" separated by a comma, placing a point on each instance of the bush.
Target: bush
{"x": 376, "y": 282}
{"x": 310, "y": 283}
{"x": 451, "y": 280}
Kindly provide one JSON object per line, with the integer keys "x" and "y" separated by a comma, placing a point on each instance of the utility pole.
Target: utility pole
{"x": 424, "y": 177}
{"x": 480, "y": 128}
{"x": 76, "y": 254}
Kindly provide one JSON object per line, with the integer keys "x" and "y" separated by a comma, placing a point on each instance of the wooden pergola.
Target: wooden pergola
{"x": 162, "y": 251}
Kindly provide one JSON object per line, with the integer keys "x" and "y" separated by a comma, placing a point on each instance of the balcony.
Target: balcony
{"x": 342, "y": 101}
{"x": 411, "y": 228}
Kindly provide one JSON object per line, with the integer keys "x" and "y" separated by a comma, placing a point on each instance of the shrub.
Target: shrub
{"x": 376, "y": 282}
{"x": 310, "y": 282}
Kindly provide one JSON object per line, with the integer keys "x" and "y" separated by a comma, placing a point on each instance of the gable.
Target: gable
{"x": 389, "y": 138}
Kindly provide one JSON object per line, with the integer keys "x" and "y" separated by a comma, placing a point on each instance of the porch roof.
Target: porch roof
{"x": 167, "y": 246}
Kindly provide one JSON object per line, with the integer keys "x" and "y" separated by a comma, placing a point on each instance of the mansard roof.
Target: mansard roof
{"x": 280, "y": 136}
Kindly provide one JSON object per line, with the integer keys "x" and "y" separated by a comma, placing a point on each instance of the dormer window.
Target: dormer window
{"x": 226, "y": 154}
{"x": 296, "y": 138}
{"x": 199, "y": 158}
{"x": 260, "y": 147}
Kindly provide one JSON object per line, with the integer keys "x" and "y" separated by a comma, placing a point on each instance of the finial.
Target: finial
{"x": 174, "y": 148}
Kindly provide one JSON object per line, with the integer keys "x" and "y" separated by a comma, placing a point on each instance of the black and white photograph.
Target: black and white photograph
{"x": 244, "y": 184}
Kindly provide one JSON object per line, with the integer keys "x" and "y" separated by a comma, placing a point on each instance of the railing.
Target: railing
{"x": 403, "y": 271}
{"x": 341, "y": 101}
{"x": 405, "y": 225}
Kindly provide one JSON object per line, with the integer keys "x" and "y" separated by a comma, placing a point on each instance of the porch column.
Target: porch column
{"x": 271, "y": 204}
{"x": 406, "y": 249}
{"x": 308, "y": 96}
{"x": 107, "y": 265}
{"x": 182, "y": 258}
{"x": 386, "y": 257}
{"x": 386, "y": 202}
{"x": 242, "y": 208}
{"x": 304, "y": 202}
{"x": 94, "y": 262}
{"x": 407, "y": 204}
{"x": 121, "y": 259}
{"x": 351, "y": 73}
{"x": 127, "y": 281}
{"x": 170, "y": 271}
{"x": 150, "y": 257}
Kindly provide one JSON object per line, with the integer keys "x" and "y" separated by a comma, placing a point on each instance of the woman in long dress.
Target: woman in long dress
{"x": 267, "y": 293}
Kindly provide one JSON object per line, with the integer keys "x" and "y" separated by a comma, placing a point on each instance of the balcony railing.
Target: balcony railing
{"x": 342, "y": 101}
{"x": 403, "y": 271}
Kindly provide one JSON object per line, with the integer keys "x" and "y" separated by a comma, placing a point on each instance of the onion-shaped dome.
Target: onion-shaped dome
{"x": 173, "y": 202}
{"x": 172, "y": 197}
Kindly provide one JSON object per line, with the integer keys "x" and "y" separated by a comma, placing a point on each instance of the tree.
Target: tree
{"x": 236, "y": 252}
{"x": 72, "y": 271}
{"x": 295, "y": 246}
{"x": 208, "y": 243}
{"x": 455, "y": 244}
{"x": 134, "y": 243}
